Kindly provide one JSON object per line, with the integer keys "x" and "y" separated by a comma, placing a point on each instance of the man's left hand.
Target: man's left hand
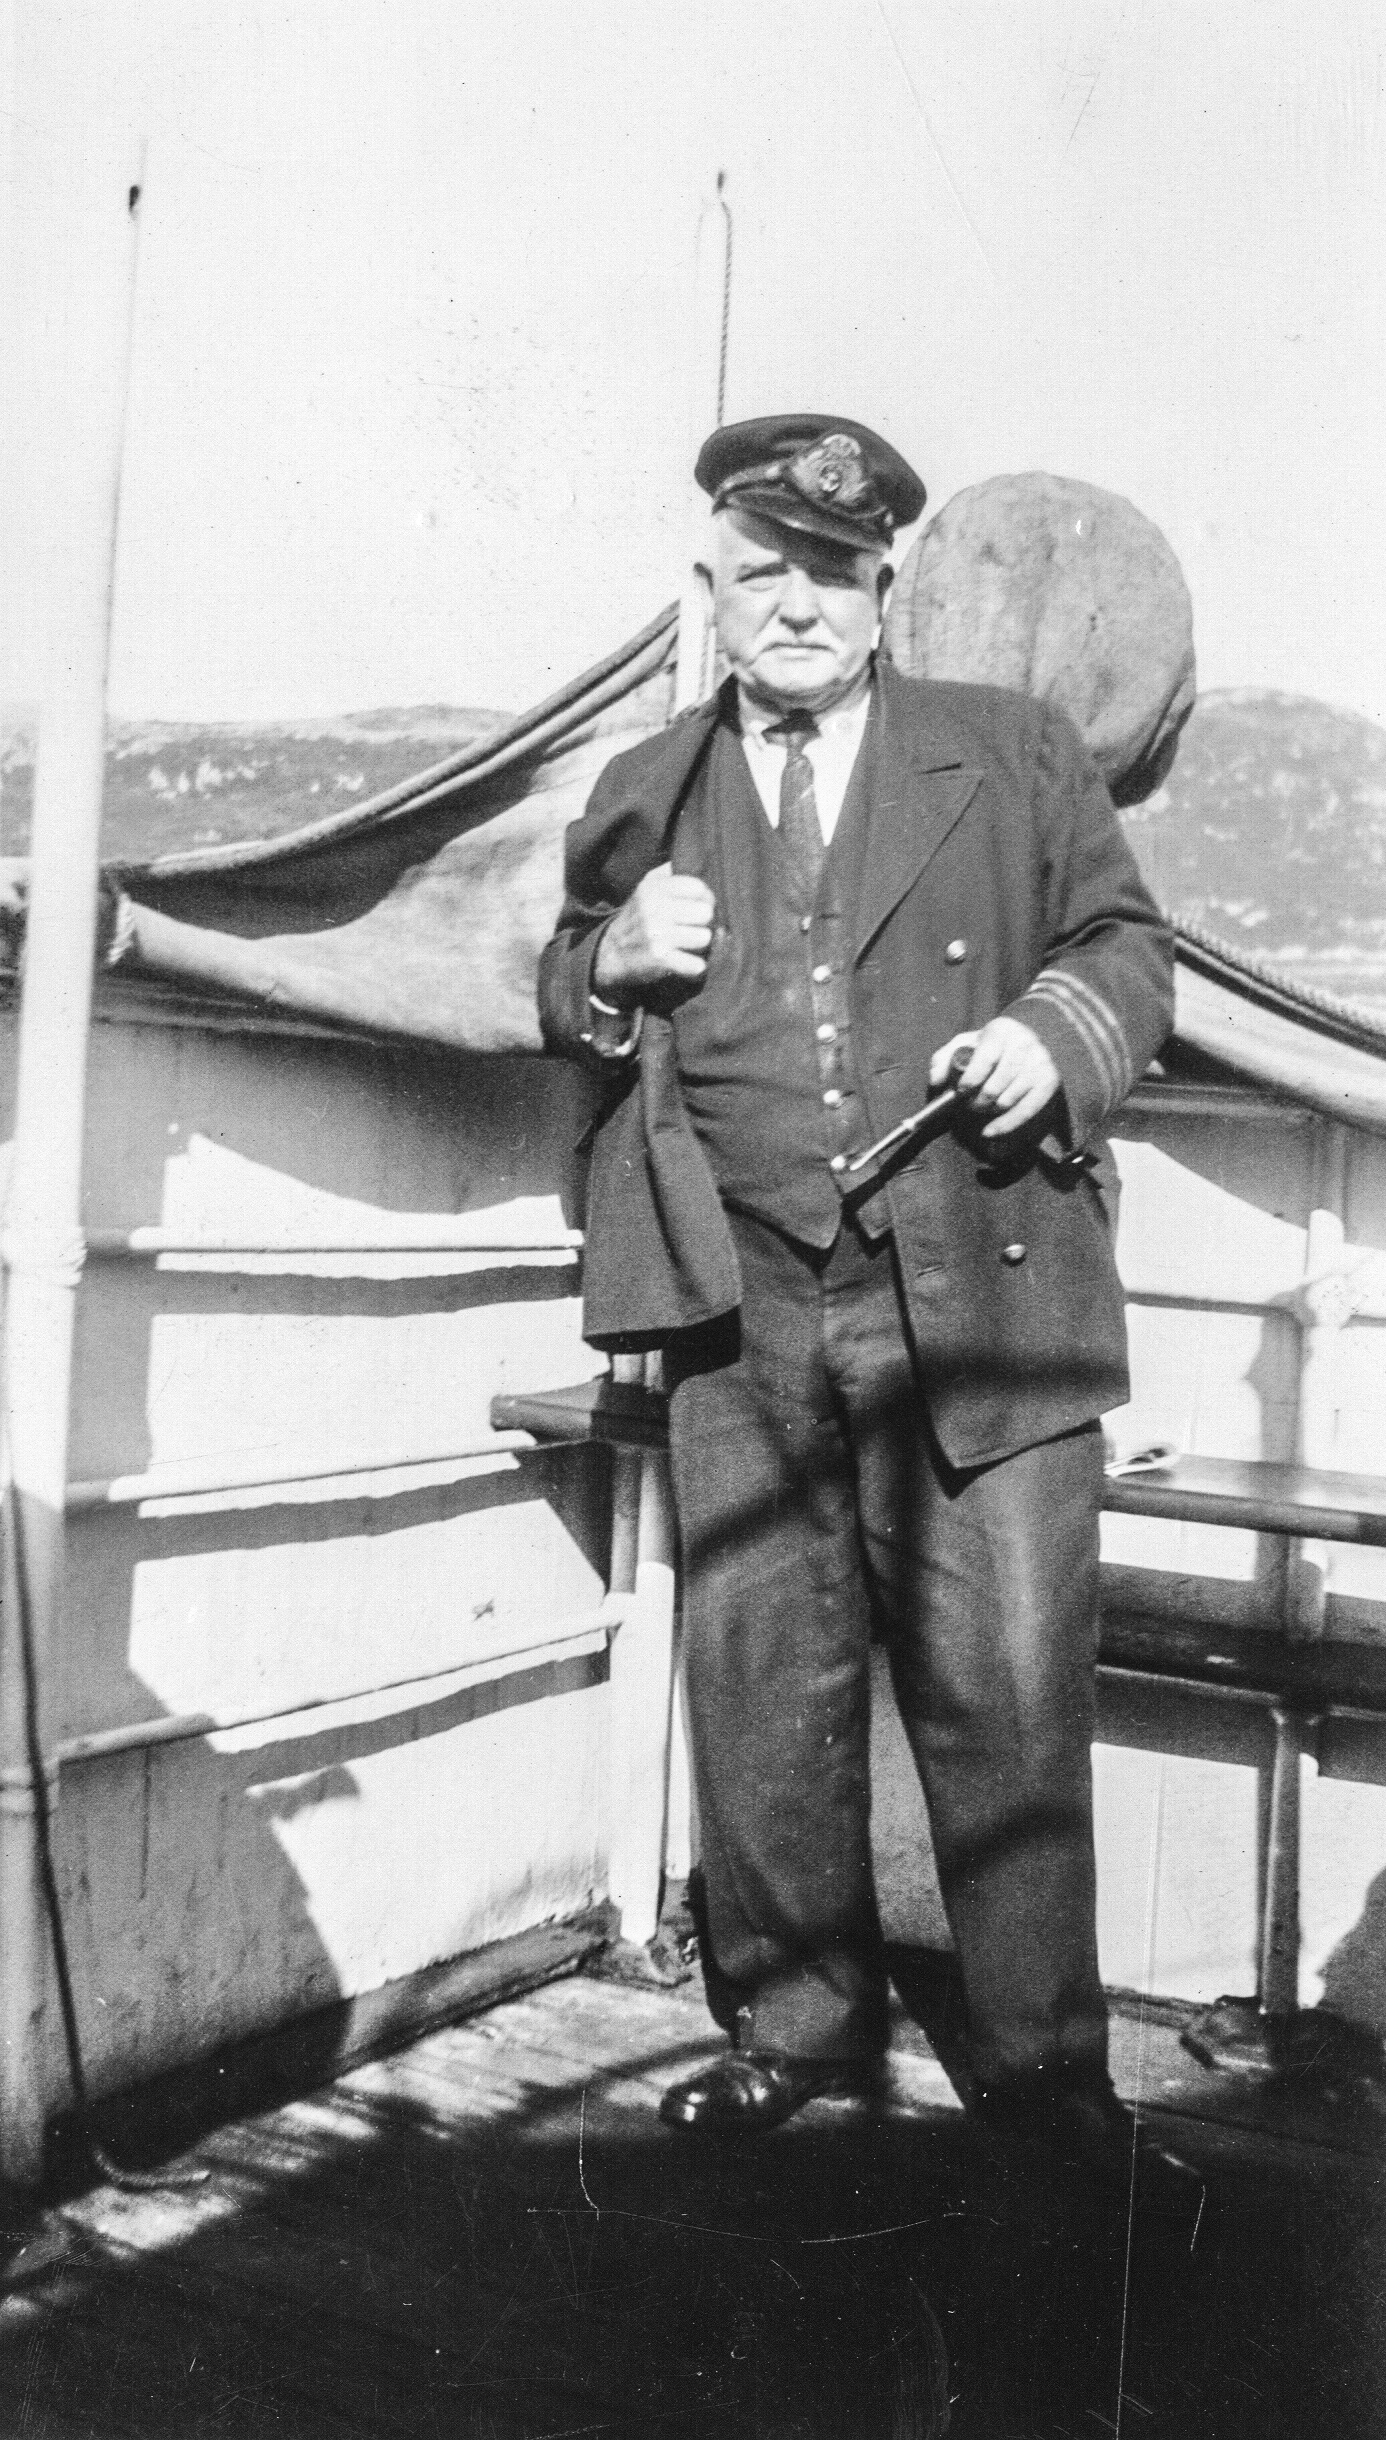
{"x": 1009, "y": 1073}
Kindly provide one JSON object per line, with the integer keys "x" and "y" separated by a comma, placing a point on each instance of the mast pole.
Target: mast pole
{"x": 707, "y": 401}
{"x": 80, "y": 302}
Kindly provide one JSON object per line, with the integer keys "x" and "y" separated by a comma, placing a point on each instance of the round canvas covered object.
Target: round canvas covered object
{"x": 1066, "y": 593}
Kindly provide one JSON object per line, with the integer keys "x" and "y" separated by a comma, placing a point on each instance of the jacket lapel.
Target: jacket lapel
{"x": 685, "y": 743}
{"x": 922, "y": 788}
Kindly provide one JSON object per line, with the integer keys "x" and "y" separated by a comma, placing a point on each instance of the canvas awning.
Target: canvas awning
{"x": 421, "y": 914}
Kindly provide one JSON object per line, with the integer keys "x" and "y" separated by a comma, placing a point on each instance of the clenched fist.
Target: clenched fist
{"x": 662, "y": 933}
{"x": 1009, "y": 1072}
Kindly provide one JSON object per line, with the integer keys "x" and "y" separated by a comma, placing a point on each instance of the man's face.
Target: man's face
{"x": 796, "y": 617}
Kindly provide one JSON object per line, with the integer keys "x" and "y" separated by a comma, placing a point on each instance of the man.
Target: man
{"x": 788, "y": 919}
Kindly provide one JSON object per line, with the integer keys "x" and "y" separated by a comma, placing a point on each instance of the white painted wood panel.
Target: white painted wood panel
{"x": 214, "y": 1886}
{"x": 235, "y": 1609}
{"x": 210, "y": 1895}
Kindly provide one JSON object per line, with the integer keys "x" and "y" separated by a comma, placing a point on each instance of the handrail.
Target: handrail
{"x": 182, "y": 1480}
{"x": 584, "y": 1632}
{"x": 152, "y": 1243}
{"x": 1363, "y": 1279}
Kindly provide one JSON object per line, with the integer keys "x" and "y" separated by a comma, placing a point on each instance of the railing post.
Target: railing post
{"x": 642, "y": 1675}
{"x": 1278, "y": 1977}
{"x": 1323, "y": 1305}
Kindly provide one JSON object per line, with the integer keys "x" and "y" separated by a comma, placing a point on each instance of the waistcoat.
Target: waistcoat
{"x": 764, "y": 1048}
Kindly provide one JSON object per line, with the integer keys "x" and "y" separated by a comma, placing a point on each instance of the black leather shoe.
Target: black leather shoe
{"x": 1085, "y": 2130}
{"x": 746, "y": 2092}
{"x": 1097, "y": 2132}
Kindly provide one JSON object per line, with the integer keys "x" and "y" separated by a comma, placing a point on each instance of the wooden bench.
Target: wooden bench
{"x": 1299, "y": 1681}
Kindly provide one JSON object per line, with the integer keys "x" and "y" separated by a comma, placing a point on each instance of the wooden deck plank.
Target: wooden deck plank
{"x": 491, "y": 2237}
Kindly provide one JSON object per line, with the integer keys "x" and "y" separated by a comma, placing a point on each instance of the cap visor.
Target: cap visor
{"x": 780, "y": 507}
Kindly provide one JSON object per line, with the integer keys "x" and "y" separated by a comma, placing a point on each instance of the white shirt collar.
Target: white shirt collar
{"x": 839, "y": 720}
{"x": 832, "y": 753}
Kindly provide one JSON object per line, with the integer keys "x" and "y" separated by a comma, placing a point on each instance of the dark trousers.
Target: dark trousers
{"x": 813, "y": 1503}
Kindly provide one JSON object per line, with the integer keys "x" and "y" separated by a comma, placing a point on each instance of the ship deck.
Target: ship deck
{"x": 489, "y": 2236}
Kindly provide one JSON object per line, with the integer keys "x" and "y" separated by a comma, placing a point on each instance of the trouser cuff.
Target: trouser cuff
{"x": 806, "y": 2016}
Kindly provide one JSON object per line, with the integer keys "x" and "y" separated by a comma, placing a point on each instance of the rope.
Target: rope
{"x": 1361, "y": 1025}
{"x": 725, "y": 208}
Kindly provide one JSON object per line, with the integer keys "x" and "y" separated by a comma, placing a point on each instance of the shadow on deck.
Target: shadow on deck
{"x": 490, "y": 2237}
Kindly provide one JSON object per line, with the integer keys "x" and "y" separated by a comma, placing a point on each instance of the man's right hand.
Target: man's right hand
{"x": 662, "y": 934}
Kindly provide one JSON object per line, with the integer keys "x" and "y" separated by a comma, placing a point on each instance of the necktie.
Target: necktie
{"x": 801, "y": 832}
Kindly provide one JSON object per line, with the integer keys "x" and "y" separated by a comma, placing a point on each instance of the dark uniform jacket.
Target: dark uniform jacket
{"x": 995, "y": 877}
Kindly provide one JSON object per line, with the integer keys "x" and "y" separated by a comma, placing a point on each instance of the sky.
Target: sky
{"x": 417, "y": 360}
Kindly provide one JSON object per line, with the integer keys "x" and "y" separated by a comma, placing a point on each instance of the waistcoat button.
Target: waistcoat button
{"x": 955, "y": 952}
{"x": 806, "y": 923}
{"x": 1014, "y": 1253}
{"x": 838, "y": 1162}
{"x": 822, "y": 974}
{"x": 827, "y": 1033}
{"x": 831, "y": 1100}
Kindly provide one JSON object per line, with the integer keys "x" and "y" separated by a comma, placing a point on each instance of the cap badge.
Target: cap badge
{"x": 832, "y": 470}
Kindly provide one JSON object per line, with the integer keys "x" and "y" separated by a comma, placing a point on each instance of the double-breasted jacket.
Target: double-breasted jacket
{"x": 994, "y": 877}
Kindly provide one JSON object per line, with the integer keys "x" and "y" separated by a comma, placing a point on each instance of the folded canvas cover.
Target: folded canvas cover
{"x": 421, "y": 914}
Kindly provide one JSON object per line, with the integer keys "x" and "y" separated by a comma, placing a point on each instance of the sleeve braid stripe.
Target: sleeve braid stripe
{"x": 1105, "y": 1016}
{"x": 1077, "y": 1018}
{"x": 1093, "y": 1021}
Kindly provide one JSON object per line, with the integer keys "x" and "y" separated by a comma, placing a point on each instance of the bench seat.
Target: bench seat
{"x": 1309, "y": 1503}
{"x": 1304, "y": 1502}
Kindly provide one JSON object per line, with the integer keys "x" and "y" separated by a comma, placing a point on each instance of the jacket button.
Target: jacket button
{"x": 806, "y": 923}
{"x": 955, "y": 952}
{"x": 838, "y": 1163}
{"x": 827, "y": 1033}
{"x": 1014, "y": 1254}
{"x": 822, "y": 974}
{"x": 831, "y": 1098}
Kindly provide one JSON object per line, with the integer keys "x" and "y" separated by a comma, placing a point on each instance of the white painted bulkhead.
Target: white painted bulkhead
{"x": 405, "y": 1645}
{"x": 402, "y": 1646}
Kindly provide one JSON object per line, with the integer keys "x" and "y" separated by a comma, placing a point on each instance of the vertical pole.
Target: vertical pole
{"x": 681, "y": 1827}
{"x": 1324, "y": 1304}
{"x": 707, "y": 399}
{"x": 642, "y": 1680}
{"x": 1280, "y": 1935}
{"x": 83, "y": 291}
{"x": 636, "y": 1752}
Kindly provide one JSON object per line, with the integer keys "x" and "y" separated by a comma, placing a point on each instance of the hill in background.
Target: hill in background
{"x": 171, "y": 785}
{"x": 1271, "y": 829}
